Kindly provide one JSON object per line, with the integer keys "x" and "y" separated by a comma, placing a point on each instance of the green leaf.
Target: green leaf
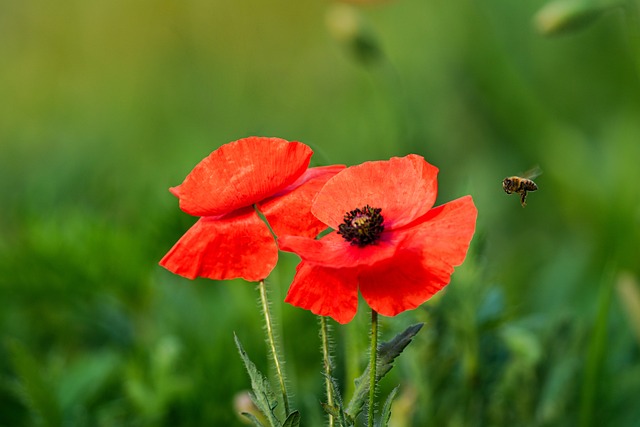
{"x": 386, "y": 410}
{"x": 337, "y": 410}
{"x": 33, "y": 388}
{"x": 253, "y": 419}
{"x": 387, "y": 353}
{"x": 293, "y": 420}
{"x": 262, "y": 396}
{"x": 331, "y": 410}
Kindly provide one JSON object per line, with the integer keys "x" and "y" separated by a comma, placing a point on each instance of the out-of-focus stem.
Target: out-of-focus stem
{"x": 633, "y": 16}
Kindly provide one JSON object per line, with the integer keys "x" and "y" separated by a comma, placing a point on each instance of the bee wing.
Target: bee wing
{"x": 532, "y": 173}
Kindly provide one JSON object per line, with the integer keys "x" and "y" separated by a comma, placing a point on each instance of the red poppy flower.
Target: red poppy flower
{"x": 225, "y": 189}
{"x": 388, "y": 241}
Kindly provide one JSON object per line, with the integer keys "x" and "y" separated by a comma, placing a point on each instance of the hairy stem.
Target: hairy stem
{"x": 272, "y": 344}
{"x": 328, "y": 366}
{"x": 373, "y": 357}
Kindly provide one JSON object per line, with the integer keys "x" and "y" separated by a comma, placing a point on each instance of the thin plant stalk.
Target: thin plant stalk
{"x": 272, "y": 344}
{"x": 633, "y": 19}
{"x": 373, "y": 363}
{"x": 328, "y": 366}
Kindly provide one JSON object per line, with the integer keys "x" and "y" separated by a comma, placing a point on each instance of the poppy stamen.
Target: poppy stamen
{"x": 362, "y": 227}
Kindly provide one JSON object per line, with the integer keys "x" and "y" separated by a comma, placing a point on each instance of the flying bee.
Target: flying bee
{"x": 520, "y": 185}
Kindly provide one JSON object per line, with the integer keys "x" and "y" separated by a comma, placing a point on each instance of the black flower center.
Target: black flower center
{"x": 362, "y": 227}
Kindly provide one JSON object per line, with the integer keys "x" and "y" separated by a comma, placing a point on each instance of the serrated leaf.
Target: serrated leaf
{"x": 337, "y": 411}
{"x": 387, "y": 353}
{"x": 386, "y": 410}
{"x": 293, "y": 420}
{"x": 253, "y": 419}
{"x": 331, "y": 410}
{"x": 335, "y": 391}
{"x": 262, "y": 396}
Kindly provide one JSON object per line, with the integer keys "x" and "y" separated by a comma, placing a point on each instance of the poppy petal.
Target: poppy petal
{"x": 225, "y": 248}
{"x": 402, "y": 284}
{"x": 333, "y": 251}
{"x": 241, "y": 173}
{"x": 404, "y": 188}
{"x": 446, "y": 231}
{"x": 424, "y": 264}
{"x": 325, "y": 291}
{"x": 290, "y": 212}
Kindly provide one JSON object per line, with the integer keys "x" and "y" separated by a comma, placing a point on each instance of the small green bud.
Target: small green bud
{"x": 347, "y": 25}
{"x": 561, "y": 16}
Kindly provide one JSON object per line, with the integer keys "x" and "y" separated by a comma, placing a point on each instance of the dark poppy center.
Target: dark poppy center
{"x": 362, "y": 227}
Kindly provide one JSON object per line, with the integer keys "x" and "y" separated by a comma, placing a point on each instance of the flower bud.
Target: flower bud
{"x": 562, "y": 16}
{"x": 348, "y": 27}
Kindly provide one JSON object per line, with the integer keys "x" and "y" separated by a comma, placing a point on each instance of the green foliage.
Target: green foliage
{"x": 108, "y": 104}
{"x": 262, "y": 395}
{"x": 35, "y": 391}
{"x": 293, "y": 420}
{"x": 342, "y": 418}
{"x": 387, "y": 353}
{"x": 385, "y": 415}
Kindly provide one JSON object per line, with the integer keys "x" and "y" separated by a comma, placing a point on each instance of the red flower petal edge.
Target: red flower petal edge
{"x": 290, "y": 211}
{"x": 446, "y": 231}
{"x": 236, "y": 246}
{"x": 413, "y": 258}
{"x": 241, "y": 173}
{"x": 325, "y": 291}
{"x": 401, "y": 285}
{"x": 404, "y": 188}
{"x": 333, "y": 251}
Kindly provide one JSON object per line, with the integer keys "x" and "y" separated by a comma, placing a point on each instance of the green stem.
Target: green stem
{"x": 272, "y": 344}
{"x": 328, "y": 366}
{"x": 633, "y": 20}
{"x": 373, "y": 363}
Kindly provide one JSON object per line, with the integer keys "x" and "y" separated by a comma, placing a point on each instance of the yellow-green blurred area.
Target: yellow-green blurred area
{"x": 106, "y": 104}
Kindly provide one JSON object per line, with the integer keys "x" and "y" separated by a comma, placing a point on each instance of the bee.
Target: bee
{"x": 520, "y": 185}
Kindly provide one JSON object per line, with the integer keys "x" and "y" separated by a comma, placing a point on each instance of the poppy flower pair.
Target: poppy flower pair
{"x": 387, "y": 240}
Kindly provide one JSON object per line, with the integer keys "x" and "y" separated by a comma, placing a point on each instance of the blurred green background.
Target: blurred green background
{"x": 105, "y": 105}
